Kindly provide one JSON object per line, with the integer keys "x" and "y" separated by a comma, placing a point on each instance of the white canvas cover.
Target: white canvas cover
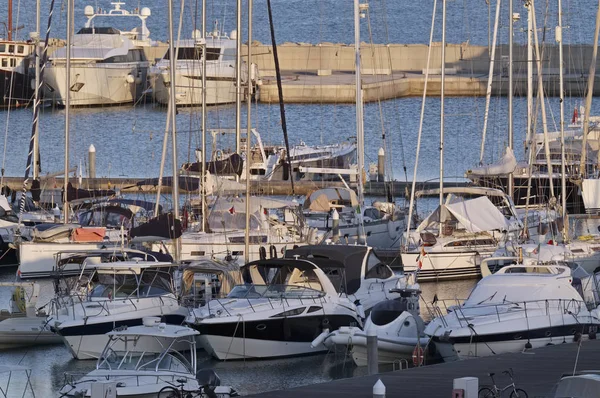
{"x": 590, "y": 193}
{"x": 505, "y": 165}
{"x": 583, "y": 386}
{"x": 474, "y": 215}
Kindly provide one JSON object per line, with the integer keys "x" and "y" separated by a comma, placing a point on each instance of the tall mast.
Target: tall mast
{"x": 443, "y": 62}
{"x": 10, "y": 24}
{"x": 173, "y": 110}
{"x": 360, "y": 135}
{"x": 36, "y": 137}
{"x": 529, "y": 132}
{"x": 563, "y": 178}
{"x": 248, "y": 136}
{"x": 238, "y": 78}
{"x": 67, "y": 109}
{"x": 510, "y": 90}
{"x": 203, "y": 160}
{"x": 589, "y": 95}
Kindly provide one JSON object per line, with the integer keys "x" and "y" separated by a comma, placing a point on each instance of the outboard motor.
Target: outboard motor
{"x": 209, "y": 381}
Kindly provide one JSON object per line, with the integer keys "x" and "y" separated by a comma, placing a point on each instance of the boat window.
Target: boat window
{"x": 225, "y": 220}
{"x": 155, "y": 283}
{"x": 114, "y": 286}
{"x": 5, "y": 62}
{"x": 195, "y": 53}
{"x": 372, "y": 214}
{"x": 2, "y": 48}
{"x": 386, "y": 311}
{"x": 20, "y": 49}
{"x": 13, "y": 62}
{"x": 376, "y": 269}
{"x": 274, "y": 292}
{"x": 115, "y": 60}
{"x": 471, "y": 242}
{"x": 11, "y": 48}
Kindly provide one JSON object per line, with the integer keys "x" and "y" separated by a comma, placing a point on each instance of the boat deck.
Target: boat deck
{"x": 536, "y": 372}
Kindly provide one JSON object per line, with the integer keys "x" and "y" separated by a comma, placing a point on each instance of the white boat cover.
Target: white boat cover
{"x": 590, "y": 193}
{"x": 474, "y": 215}
{"x": 505, "y": 165}
{"x": 322, "y": 199}
{"x": 582, "y": 386}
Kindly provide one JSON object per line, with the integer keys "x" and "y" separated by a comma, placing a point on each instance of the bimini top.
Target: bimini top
{"x": 160, "y": 330}
{"x": 300, "y": 263}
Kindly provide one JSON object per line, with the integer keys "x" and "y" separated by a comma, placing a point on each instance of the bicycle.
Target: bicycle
{"x": 207, "y": 380}
{"x": 495, "y": 392}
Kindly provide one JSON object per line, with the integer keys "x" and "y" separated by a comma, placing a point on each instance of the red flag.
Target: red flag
{"x": 420, "y": 257}
{"x": 232, "y": 210}
{"x": 575, "y": 116}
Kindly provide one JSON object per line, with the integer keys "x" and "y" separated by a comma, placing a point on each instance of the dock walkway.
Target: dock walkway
{"x": 536, "y": 371}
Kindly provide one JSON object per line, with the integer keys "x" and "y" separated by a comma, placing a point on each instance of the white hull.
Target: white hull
{"x": 189, "y": 90}
{"x": 224, "y": 348}
{"x": 25, "y": 332}
{"x": 380, "y": 234}
{"x": 37, "y": 259}
{"x": 96, "y": 84}
{"x": 446, "y": 265}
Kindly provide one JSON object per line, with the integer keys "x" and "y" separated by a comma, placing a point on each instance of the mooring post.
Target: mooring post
{"x": 335, "y": 217}
{"x": 92, "y": 160}
{"x": 379, "y": 389}
{"x": 372, "y": 354}
{"x": 381, "y": 165}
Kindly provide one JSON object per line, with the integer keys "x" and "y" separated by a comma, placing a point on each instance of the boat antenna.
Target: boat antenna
{"x": 280, "y": 93}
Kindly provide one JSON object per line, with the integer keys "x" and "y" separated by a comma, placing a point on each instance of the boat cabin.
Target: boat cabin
{"x": 14, "y": 55}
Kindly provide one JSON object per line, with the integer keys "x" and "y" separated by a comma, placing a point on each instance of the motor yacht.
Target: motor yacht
{"x": 284, "y": 306}
{"x": 383, "y": 227}
{"x": 397, "y": 324}
{"x": 522, "y": 306}
{"x": 111, "y": 295}
{"x": 220, "y": 71}
{"x": 108, "y": 66}
{"x": 130, "y": 370}
{"x": 16, "y": 85}
{"x": 451, "y": 242}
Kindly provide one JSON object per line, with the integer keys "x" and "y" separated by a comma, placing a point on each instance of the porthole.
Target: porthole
{"x": 261, "y": 327}
{"x": 325, "y": 322}
{"x": 518, "y": 337}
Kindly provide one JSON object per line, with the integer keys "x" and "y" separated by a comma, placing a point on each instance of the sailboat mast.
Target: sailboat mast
{"x": 510, "y": 90}
{"x": 248, "y": 136}
{"x": 67, "y": 109}
{"x": 36, "y": 137}
{"x": 203, "y": 160}
{"x": 529, "y": 133}
{"x": 443, "y": 62}
{"x": 10, "y": 23}
{"x": 359, "y": 120}
{"x": 173, "y": 110}
{"x": 238, "y": 78}
{"x": 563, "y": 178}
{"x": 589, "y": 95}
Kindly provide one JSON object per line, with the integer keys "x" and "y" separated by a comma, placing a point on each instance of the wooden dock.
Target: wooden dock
{"x": 536, "y": 372}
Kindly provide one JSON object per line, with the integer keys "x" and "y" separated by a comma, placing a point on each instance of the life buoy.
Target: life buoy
{"x": 417, "y": 356}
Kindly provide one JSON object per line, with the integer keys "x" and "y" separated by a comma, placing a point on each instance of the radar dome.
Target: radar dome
{"x": 233, "y": 35}
{"x": 145, "y": 12}
{"x": 196, "y": 34}
{"x": 88, "y": 11}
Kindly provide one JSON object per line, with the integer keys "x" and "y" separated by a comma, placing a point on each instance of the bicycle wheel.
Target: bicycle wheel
{"x": 169, "y": 392}
{"x": 518, "y": 393}
{"x": 486, "y": 392}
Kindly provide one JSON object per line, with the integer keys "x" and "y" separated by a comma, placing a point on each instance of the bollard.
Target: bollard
{"x": 381, "y": 165}
{"x": 468, "y": 386}
{"x": 335, "y": 217}
{"x": 379, "y": 389}
{"x": 92, "y": 159}
{"x": 372, "y": 354}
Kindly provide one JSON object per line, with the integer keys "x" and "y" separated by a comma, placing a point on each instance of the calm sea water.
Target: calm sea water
{"x": 129, "y": 139}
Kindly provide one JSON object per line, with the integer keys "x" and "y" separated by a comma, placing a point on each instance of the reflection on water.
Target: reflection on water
{"x": 50, "y": 363}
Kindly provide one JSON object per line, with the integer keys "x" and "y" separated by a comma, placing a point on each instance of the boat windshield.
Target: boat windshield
{"x": 170, "y": 360}
{"x": 230, "y": 220}
{"x": 111, "y": 285}
{"x": 274, "y": 291}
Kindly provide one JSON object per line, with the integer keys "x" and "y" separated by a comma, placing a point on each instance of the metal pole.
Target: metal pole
{"x": 442, "y": 107}
{"x": 529, "y": 77}
{"x": 372, "y": 353}
{"x": 510, "y": 90}
{"x": 563, "y": 178}
{"x": 68, "y": 109}
{"x": 10, "y": 23}
{"x": 238, "y": 78}
{"x": 248, "y": 137}
{"x": 92, "y": 161}
{"x": 36, "y": 138}
{"x": 589, "y": 94}
{"x": 173, "y": 110}
{"x": 203, "y": 160}
{"x": 359, "y": 122}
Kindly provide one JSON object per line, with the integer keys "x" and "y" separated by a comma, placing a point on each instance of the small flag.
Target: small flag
{"x": 575, "y": 116}
{"x": 420, "y": 257}
{"x": 232, "y": 210}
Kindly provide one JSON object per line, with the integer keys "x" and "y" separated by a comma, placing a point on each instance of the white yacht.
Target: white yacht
{"x": 131, "y": 370}
{"x": 108, "y": 66}
{"x": 220, "y": 71}
{"x": 397, "y": 324}
{"x": 521, "y": 306}
{"x": 451, "y": 242}
{"x": 382, "y": 227}
{"x": 274, "y": 227}
{"x": 113, "y": 295}
{"x": 277, "y": 317}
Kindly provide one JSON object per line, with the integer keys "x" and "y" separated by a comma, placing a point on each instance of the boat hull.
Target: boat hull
{"x": 96, "y": 84}
{"x": 445, "y": 265}
{"x": 25, "y": 332}
{"x": 219, "y": 90}
{"x": 16, "y": 89}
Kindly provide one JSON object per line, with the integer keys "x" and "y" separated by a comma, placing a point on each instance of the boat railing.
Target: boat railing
{"x": 570, "y": 307}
